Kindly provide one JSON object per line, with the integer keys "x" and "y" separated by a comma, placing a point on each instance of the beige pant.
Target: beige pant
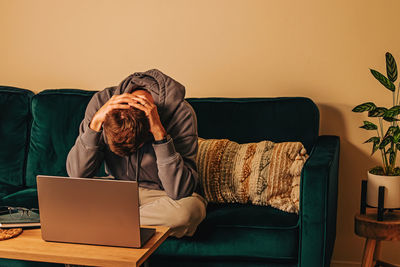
{"x": 182, "y": 216}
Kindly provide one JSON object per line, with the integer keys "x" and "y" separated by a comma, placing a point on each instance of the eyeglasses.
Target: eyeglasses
{"x": 18, "y": 212}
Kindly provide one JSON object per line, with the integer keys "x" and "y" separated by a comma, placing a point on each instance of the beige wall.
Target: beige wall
{"x": 313, "y": 48}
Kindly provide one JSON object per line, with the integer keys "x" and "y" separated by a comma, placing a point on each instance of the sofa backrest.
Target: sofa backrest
{"x": 56, "y": 115}
{"x": 15, "y": 120}
{"x": 56, "y": 118}
{"x": 255, "y": 119}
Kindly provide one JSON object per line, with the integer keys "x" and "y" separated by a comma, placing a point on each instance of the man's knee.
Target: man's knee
{"x": 182, "y": 216}
{"x": 185, "y": 214}
{"x": 189, "y": 211}
{"x": 179, "y": 216}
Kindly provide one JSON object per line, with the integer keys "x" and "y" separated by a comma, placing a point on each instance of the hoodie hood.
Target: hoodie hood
{"x": 166, "y": 92}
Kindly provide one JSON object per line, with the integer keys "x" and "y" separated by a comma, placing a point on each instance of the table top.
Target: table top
{"x": 366, "y": 225}
{"x": 30, "y": 246}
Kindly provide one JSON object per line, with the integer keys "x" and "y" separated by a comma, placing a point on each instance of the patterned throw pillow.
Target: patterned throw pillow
{"x": 264, "y": 173}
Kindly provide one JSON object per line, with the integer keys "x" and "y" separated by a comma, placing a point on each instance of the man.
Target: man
{"x": 144, "y": 130}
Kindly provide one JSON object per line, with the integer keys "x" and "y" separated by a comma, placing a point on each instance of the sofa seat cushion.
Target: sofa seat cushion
{"x": 26, "y": 198}
{"x": 6, "y": 190}
{"x": 214, "y": 262}
{"x": 238, "y": 230}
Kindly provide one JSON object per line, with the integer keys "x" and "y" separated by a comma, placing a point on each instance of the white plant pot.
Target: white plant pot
{"x": 392, "y": 190}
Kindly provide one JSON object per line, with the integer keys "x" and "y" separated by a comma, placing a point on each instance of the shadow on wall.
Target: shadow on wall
{"x": 354, "y": 162}
{"x": 353, "y": 167}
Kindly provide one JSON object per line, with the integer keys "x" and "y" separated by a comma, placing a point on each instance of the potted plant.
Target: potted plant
{"x": 386, "y": 140}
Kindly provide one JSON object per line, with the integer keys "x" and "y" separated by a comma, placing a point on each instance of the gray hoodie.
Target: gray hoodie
{"x": 169, "y": 166}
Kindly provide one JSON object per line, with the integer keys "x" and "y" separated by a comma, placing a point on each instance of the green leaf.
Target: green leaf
{"x": 369, "y": 126}
{"x": 396, "y": 138}
{"x": 396, "y": 171}
{"x": 391, "y": 130}
{"x": 374, "y": 148}
{"x": 392, "y": 157}
{"x": 398, "y": 146}
{"x": 385, "y": 142}
{"x": 393, "y": 111}
{"x": 390, "y": 119}
{"x": 377, "y": 170}
{"x": 390, "y": 150}
{"x": 391, "y": 67}
{"x": 396, "y": 135}
{"x": 383, "y": 80}
{"x": 377, "y": 112}
{"x": 374, "y": 139}
{"x": 364, "y": 107}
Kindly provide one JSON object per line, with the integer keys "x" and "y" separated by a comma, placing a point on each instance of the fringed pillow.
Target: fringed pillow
{"x": 264, "y": 173}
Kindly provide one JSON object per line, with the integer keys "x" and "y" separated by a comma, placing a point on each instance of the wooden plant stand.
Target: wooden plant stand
{"x": 367, "y": 225}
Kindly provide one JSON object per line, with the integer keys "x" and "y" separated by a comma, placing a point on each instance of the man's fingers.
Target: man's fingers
{"x": 142, "y": 100}
{"x": 141, "y": 96}
{"x": 129, "y": 98}
{"x": 141, "y": 107}
{"x": 124, "y": 99}
{"x": 132, "y": 99}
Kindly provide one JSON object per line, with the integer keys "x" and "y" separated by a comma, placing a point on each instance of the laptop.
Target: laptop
{"x": 91, "y": 211}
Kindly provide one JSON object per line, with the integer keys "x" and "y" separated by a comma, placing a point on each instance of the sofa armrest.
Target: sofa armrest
{"x": 318, "y": 203}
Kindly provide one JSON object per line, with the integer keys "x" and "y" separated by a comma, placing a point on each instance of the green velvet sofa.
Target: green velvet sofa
{"x": 38, "y": 130}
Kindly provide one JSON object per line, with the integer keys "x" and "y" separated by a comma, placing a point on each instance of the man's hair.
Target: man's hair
{"x": 126, "y": 130}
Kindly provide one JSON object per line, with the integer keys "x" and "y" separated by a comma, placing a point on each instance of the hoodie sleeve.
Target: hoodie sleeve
{"x": 176, "y": 159}
{"x": 86, "y": 156}
{"x": 177, "y": 171}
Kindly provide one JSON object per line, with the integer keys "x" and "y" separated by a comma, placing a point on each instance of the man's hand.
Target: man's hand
{"x": 145, "y": 103}
{"x": 124, "y": 101}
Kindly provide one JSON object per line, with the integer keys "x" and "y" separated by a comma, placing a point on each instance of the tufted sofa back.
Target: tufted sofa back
{"x": 37, "y": 131}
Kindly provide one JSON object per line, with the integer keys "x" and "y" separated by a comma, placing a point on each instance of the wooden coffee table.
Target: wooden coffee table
{"x": 30, "y": 246}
